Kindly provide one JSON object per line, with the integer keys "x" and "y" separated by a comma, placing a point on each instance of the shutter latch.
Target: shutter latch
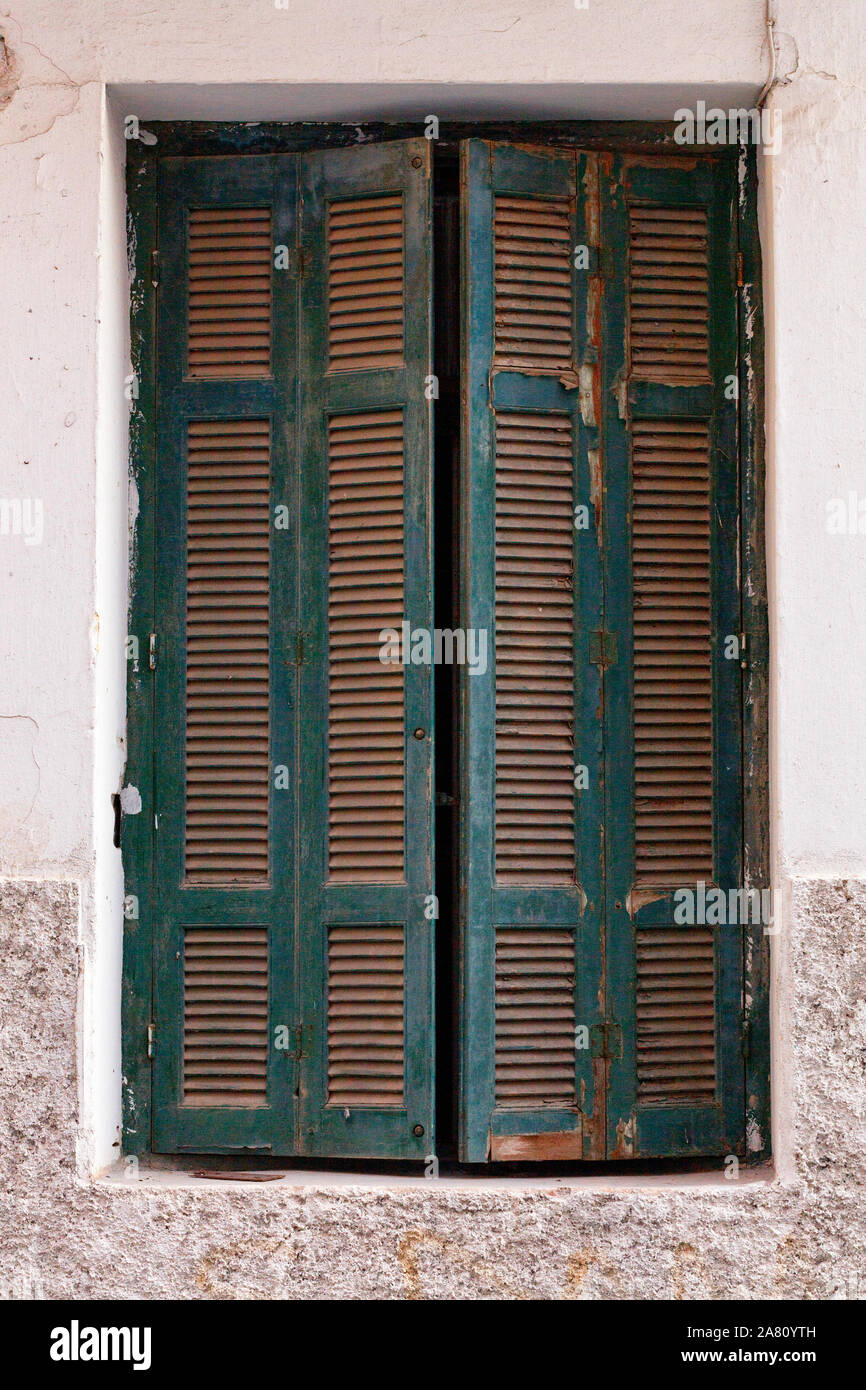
{"x": 606, "y": 1040}
{"x": 602, "y": 648}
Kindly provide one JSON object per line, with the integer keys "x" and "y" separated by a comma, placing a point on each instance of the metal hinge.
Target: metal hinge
{"x": 298, "y": 1053}
{"x": 151, "y": 1033}
{"x": 299, "y": 649}
{"x": 151, "y": 652}
{"x": 154, "y": 267}
{"x": 739, "y": 270}
{"x": 606, "y": 1040}
{"x": 747, "y": 1037}
{"x": 602, "y": 648}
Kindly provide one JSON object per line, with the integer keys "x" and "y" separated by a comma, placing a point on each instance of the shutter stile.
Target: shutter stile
{"x": 222, "y": 661}
{"x": 528, "y": 913}
{"x": 366, "y": 959}
{"x": 674, "y": 979}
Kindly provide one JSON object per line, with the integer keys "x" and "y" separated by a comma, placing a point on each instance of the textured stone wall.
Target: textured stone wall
{"x": 161, "y": 1235}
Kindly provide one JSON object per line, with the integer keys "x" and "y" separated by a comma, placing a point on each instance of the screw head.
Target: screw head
{"x": 418, "y": 1130}
{"x": 417, "y": 162}
{"x": 419, "y": 733}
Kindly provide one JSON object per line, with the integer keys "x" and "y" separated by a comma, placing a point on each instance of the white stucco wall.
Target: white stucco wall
{"x": 69, "y": 73}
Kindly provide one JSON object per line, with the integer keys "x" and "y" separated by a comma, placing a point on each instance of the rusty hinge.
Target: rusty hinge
{"x": 299, "y": 650}
{"x": 602, "y": 648}
{"x": 151, "y": 1034}
{"x": 605, "y": 1040}
{"x": 154, "y": 267}
{"x": 739, "y": 270}
{"x": 298, "y": 1054}
{"x": 151, "y": 652}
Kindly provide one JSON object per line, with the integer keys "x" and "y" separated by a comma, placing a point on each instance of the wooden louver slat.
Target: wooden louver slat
{"x": 532, "y": 278}
{"x": 227, "y": 651}
{"x": 365, "y": 1015}
{"x": 365, "y": 282}
{"x": 225, "y": 1016}
{"x": 534, "y": 1017}
{"x": 534, "y": 612}
{"x": 676, "y": 1047}
{"x": 668, "y": 293}
{"x": 673, "y": 705}
{"x": 366, "y": 698}
{"x": 229, "y": 310}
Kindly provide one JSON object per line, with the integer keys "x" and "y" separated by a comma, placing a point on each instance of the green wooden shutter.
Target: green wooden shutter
{"x": 223, "y": 648}
{"x": 557, "y": 935}
{"x": 530, "y": 828}
{"x": 294, "y": 940}
{"x": 672, "y": 700}
{"x": 366, "y": 872}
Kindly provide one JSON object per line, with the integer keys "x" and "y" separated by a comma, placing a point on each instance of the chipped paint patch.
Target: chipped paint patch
{"x": 639, "y": 897}
{"x": 625, "y": 1136}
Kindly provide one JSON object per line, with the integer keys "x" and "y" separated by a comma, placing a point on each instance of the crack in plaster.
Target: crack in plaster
{"x": 13, "y": 81}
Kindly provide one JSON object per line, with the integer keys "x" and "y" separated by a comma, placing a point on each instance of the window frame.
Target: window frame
{"x": 231, "y": 138}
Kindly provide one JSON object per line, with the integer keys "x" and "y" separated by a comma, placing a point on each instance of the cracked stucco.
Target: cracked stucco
{"x": 801, "y": 1238}
{"x": 42, "y": 91}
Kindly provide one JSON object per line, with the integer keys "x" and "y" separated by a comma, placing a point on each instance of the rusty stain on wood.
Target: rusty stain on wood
{"x": 551, "y": 1147}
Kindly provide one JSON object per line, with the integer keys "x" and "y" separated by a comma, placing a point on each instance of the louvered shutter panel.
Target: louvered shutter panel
{"x": 224, "y": 647}
{"x": 530, "y": 804}
{"x": 672, "y": 700}
{"x": 366, "y": 767}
